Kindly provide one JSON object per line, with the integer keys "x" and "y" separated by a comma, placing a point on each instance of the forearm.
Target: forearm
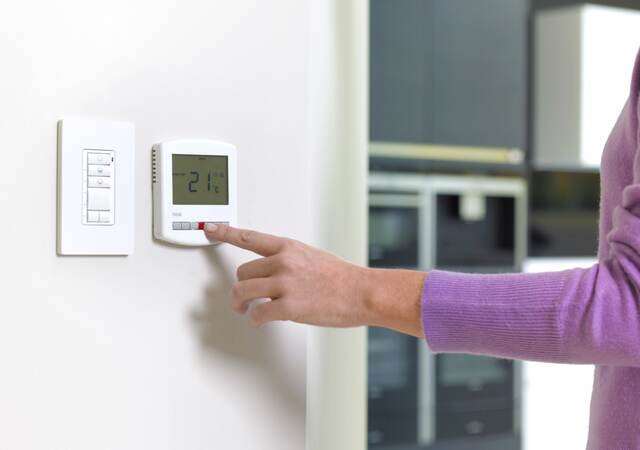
{"x": 392, "y": 299}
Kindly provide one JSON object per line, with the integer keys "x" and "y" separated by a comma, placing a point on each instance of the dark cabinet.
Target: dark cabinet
{"x": 563, "y": 217}
{"x": 449, "y": 72}
{"x": 424, "y": 401}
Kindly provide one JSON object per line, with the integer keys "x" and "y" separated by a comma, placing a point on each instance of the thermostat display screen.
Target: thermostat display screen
{"x": 200, "y": 180}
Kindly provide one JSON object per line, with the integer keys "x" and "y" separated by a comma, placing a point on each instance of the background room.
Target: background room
{"x": 462, "y": 135}
{"x": 487, "y": 123}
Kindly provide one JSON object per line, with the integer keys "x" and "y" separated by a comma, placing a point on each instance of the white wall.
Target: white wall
{"x": 143, "y": 352}
{"x": 556, "y": 405}
{"x": 339, "y": 71}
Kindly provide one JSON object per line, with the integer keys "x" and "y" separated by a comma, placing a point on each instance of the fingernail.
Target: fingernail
{"x": 211, "y": 227}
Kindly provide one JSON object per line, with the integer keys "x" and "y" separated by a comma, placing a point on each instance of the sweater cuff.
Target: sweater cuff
{"x": 505, "y": 315}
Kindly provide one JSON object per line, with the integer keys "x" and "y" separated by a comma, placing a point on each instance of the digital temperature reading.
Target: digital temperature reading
{"x": 200, "y": 180}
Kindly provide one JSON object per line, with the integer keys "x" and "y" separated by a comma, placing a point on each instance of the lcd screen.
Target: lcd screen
{"x": 200, "y": 180}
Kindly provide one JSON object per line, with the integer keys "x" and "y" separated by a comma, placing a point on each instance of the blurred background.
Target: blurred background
{"x": 487, "y": 121}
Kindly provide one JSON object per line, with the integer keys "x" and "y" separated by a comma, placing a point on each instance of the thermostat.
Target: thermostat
{"x": 194, "y": 183}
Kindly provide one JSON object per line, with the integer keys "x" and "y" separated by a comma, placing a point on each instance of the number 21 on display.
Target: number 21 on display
{"x": 196, "y": 177}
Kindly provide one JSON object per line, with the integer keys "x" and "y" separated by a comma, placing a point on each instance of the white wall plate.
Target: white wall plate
{"x": 95, "y": 187}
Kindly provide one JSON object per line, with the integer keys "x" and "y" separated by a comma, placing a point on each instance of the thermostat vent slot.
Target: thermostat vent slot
{"x": 154, "y": 156}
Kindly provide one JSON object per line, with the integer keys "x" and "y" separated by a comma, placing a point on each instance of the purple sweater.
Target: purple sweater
{"x": 581, "y": 316}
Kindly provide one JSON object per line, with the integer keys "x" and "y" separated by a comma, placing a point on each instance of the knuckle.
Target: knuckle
{"x": 237, "y": 305}
{"x": 223, "y": 230}
{"x": 289, "y": 262}
{"x": 278, "y": 261}
{"x": 236, "y": 291}
{"x": 289, "y": 244}
{"x": 257, "y": 315}
{"x": 280, "y": 284}
{"x": 246, "y": 236}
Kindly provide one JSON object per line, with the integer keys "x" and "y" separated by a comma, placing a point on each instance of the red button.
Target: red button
{"x": 200, "y": 225}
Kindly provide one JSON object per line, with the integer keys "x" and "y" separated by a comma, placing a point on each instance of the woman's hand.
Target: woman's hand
{"x": 308, "y": 285}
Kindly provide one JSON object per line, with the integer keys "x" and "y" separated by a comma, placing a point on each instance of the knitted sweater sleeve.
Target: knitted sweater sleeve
{"x": 574, "y": 316}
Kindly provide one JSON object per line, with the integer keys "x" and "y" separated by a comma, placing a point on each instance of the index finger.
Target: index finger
{"x": 260, "y": 243}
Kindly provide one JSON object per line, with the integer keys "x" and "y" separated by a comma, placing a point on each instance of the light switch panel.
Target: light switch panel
{"x": 98, "y": 193}
{"x": 95, "y": 187}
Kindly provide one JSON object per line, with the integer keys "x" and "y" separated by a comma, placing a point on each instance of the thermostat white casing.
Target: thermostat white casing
{"x": 194, "y": 183}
